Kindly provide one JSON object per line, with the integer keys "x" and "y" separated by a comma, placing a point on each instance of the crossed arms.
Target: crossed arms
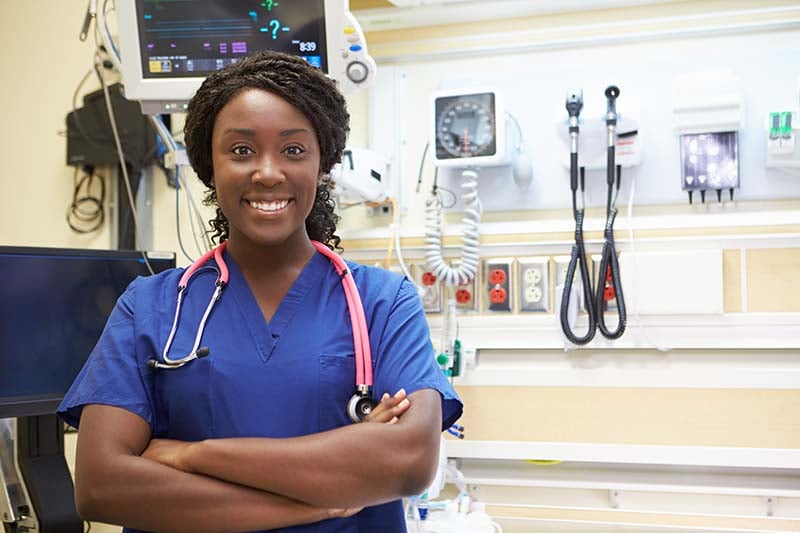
{"x": 245, "y": 484}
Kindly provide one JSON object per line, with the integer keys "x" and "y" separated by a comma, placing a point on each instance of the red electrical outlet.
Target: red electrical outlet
{"x": 428, "y": 279}
{"x": 498, "y": 295}
{"x": 497, "y": 276}
{"x": 463, "y": 296}
{"x": 432, "y": 289}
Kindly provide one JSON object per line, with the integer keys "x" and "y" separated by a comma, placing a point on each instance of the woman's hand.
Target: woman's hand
{"x": 389, "y": 410}
{"x": 168, "y": 452}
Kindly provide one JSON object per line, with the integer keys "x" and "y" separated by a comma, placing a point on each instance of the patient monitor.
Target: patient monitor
{"x": 168, "y": 48}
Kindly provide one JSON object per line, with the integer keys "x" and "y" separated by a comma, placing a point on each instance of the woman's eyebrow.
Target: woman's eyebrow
{"x": 288, "y": 133}
{"x": 252, "y": 133}
{"x": 240, "y": 131}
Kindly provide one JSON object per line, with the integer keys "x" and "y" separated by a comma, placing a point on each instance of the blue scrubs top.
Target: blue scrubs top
{"x": 290, "y": 377}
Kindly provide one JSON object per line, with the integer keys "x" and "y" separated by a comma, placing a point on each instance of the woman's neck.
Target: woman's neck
{"x": 256, "y": 258}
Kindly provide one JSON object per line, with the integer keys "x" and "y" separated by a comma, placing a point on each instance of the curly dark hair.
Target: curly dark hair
{"x": 300, "y": 84}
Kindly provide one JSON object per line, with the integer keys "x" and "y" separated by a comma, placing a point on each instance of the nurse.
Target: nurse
{"x": 256, "y": 436}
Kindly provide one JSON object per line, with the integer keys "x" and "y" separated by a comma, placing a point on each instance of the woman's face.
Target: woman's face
{"x": 266, "y": 161}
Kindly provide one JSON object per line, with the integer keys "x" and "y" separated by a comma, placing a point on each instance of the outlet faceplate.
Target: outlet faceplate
{"x": 533, "y": 281}
{"x": 561, "y": 267}
{"x": 432, "y": 289}
{"x": 497, "y": 293}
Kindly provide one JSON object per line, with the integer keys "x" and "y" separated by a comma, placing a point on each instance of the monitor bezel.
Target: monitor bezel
{"x": 174, "y": 93}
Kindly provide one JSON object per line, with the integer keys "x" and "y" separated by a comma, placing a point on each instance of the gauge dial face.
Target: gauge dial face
{"x": 465, "y": 126}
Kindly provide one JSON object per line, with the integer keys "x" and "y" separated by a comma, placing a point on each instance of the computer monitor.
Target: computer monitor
{"x": 54, "y": 304}
{"x": 168, "y": 48}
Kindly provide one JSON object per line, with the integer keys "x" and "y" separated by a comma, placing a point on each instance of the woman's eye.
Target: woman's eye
{"x": 294, "y": 150}
{"x": 241, "y": 150}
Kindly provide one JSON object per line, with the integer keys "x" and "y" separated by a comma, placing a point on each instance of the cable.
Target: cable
{"x": 609, "y": 266}
{"x": 468, "y": 266}
{"x": 422, "y": 164}
{"x": 178, "y": 218}
{"x": 105, "y": 35}
{"x": 578, "y": 256}
{"x": 453, "y": 197}
{"x": 399, "y": 250}
{"x": 77, "y": 209}
{"x": 198, "y": 219}
{"x": 395, "y": 222}
{"x": 520, "y": 140}
{"x": 122, "y": 164}
{"x": 195, "y": 216}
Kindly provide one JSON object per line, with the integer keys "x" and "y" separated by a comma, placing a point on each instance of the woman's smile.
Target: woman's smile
{"x": 270, "y": 209}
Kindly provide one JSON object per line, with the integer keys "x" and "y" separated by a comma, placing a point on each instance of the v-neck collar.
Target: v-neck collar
{"x": 267, "y": 335}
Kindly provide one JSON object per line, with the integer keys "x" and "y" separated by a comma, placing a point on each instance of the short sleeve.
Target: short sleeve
{"x": 406, "y": 358}
{"x": 111, "y": 375}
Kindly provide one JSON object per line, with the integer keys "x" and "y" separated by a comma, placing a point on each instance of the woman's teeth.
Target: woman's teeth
{"x": 269, "y": 206}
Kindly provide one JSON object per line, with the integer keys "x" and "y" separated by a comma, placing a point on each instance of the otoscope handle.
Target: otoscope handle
{"x": 610, "y": 165}
{"x": 573, "y": 171}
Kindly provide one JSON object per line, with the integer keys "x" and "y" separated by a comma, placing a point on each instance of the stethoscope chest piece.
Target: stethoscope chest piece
{"x": 359, "y": 407}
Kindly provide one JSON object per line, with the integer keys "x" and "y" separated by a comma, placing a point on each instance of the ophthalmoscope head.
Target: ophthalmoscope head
{"x": 612, "y": 92}
{"x": 574, "y": 102}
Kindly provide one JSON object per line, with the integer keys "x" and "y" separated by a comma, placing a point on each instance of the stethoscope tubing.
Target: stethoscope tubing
{"x": 361, "y": 345}
{"x": 220, "y": 284}
{"x": 363, "y": 356}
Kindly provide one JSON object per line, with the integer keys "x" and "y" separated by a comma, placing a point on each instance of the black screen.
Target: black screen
{"x": 192, "y": 38}
{"x": 54, "y": 305}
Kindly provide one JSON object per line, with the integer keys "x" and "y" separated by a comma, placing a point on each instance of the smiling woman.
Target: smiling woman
{"x": 266, "y": 167}
{"x": 256, "y": 434}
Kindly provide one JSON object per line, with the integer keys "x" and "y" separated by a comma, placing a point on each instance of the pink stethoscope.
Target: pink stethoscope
{"x": 361, "y": 403}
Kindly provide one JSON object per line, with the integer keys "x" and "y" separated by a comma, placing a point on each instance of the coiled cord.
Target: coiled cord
{"x": 578, "y": 260}
{"x": 468, "y": 267}
{"x": 609, "y": 264}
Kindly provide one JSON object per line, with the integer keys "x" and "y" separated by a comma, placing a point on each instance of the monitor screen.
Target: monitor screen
{"x": 167, "y": 48}
{"x": 54, "y": 305}
{"x": 191, "y": 38}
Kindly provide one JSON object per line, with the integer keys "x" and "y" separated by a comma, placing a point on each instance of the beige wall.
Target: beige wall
{"x": 42, "y": 63}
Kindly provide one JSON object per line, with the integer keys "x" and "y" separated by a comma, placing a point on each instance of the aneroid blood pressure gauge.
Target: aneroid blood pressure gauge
{"x": 469, "y": 129}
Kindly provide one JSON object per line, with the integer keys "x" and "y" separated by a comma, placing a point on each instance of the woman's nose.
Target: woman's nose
{"x": 269, "y": 172}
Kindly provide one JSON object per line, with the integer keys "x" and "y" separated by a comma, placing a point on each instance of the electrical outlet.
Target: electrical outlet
{"x": 560, "y": 278}
{"x": 609, "y": 295}
{"x": 497, "y": 284}
{"x": 431, "y": 288}
{"x": 533, "y": 281}
{"x": 465, "y": 296}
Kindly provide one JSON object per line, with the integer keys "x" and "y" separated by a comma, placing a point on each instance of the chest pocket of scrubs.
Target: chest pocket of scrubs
{"x": 337, "y": 378}
{"x": 183, "y": 397}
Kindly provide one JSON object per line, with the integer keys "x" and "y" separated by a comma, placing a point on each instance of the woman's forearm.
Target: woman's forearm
{"x": 115, "y": 484}
{"x": 139, "y": 493}
{"x": 353, "y": 466}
